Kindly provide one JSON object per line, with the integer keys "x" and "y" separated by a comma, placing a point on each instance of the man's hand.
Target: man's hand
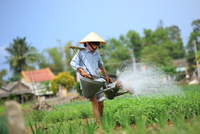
{"x": 108, "y": 79}
{"x": 83, "y": 73}
{"x": 118, "y": 84}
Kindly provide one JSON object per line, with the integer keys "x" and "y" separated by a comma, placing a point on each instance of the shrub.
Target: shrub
{"x": 38, "y": 116}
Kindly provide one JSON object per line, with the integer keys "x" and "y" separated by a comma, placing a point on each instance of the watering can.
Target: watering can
{"x": 90, "y": 87}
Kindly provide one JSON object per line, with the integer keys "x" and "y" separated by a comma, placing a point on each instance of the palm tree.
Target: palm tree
{"x": 52, "y": 58}
{"x": 2, "y": 73}
{"x": 20, "y": 55}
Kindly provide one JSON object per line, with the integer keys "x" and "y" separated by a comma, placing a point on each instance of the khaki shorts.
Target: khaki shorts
{"x": 100, "y": 97}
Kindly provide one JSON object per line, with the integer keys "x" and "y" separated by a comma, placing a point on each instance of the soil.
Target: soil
{"x": 78, "y": 98}
{"x": 186, "y": 81}
{"x": 183, "y": 81}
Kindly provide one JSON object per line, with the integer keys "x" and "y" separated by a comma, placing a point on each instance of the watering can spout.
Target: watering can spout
{"x": 118, "y": 94}
{"x": 113, "y": 91}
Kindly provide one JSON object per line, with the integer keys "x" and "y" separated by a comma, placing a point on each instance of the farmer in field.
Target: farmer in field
{"x": 88, "y": 62}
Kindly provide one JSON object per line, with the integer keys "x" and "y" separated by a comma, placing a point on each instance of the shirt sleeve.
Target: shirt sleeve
{"x": 100, "y": 63}
{"x": 76, "y": 62}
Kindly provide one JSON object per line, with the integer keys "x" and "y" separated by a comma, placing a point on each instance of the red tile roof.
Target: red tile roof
{"x": 38, "y": 75}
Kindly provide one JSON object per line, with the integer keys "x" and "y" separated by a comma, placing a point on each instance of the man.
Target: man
{"x": 87, "y": 62}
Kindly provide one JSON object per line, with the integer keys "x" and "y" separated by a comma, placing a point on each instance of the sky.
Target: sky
{"x": 44, "y": 22}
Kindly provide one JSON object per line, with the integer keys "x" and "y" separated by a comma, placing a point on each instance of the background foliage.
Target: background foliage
{"x": 65, "y": 79}
{"x": 161, "y": 46}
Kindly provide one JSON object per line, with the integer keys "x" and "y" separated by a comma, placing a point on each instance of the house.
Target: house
{"x": 33, "y": 80}
{"x": 180, "y": 64}
{"x": 181, "y": 67}
{"x": 37, "y": 75}
{"x": 19, "y": 89}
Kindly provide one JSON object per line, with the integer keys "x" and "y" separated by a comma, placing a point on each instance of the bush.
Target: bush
{"x": 13, "y": 97}
{"x": 54, "y": 117}
{"x": 38, "y": 116}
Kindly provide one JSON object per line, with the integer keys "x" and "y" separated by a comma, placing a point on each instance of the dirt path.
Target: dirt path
{"x": 61, "y": 100}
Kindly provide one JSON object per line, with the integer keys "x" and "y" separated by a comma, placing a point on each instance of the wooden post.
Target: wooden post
{"x": 15, "y": 118}
{"x": 197, "y": 63}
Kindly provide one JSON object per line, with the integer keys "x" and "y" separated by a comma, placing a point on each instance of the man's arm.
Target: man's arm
{"x": 76, "y": 65}
{"x": 108, "y": 79}
{"x": 83, "y": 73}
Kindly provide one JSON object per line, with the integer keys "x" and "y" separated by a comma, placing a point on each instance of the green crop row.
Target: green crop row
{"x": 61, "y": 114}
{"x": 3, "y": 125}
{"x": 148, "y": 114}
{"x": 126, "y": 110}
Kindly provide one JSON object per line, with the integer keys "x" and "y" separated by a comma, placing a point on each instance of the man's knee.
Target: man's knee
{"x": 93, "y": 99}
{"x": 101, "y": 104}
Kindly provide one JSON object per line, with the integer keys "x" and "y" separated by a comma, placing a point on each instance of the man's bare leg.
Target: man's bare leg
{"x": 95, "y": 108}
{"x": 101, "y": 105}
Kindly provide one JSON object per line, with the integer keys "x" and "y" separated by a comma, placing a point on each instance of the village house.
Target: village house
{"x": 181, "y": 67}
{"x": 32, "y": 84}
{"x": 34, "y": 78}
{"x": 21, "y": 91}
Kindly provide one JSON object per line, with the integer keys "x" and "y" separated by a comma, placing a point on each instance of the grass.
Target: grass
{"x": 191, "y": 88}
{"x": 2, "y": 109}
{"x": 149, "y": 115}
{"x": 3, "y": 125}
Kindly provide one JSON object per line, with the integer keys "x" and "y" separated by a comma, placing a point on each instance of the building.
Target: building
{"x": 19, "y": 89}
{"x": 181, "y": 67}
{"x": 34, "y": 78}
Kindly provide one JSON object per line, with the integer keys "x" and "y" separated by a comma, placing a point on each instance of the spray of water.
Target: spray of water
{"x": 144, "y": 78}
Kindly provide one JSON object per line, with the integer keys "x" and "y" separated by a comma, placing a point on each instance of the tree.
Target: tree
{"x": 175, "y": 43}
{"x": 52, "y": 58}
{"x": 114, "y": 51}
{"x": 170, "y": 69}
{"x": 154, "y": 46}
{"x": 20, "y": 55}
{"x": 69, "y": 53}
{"x": 198, "y": 56}
{"x": 194, "y": 36}
{"x": 65, "y": 79}
{"x": 134, "y": 42}
{"x": 147, "y": 39}
{"x": 157, "y": 54}
{"x": 162, "y": 45}
{"x": 2, "y": 73}
{"x": 68, "y": 56}
{"x": 157, "y": 37}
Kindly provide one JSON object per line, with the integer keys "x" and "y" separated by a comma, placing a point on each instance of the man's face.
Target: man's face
{"x": 92, "y": 46}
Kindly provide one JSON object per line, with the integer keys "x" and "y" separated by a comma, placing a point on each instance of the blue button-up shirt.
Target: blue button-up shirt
{"x": 92, "y": 61}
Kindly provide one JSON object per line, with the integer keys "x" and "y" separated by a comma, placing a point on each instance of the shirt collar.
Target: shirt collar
{"x": 88, "y": 51}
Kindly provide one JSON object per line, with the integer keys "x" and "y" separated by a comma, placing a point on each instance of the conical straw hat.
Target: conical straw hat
{"x": 92, "y": 37}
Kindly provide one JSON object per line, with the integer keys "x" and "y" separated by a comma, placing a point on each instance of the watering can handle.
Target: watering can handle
{"x": 110, "y": 80}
